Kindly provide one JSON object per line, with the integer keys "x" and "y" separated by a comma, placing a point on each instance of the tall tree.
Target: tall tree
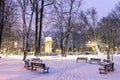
{"x": 2, "y": 5}
{"x": 40, "y": 28}
{"x": 36, "y": 25}
{"x": 105, "y": 23}
{"x": 66, "y": 15}
{"x": 58, "y": 21}
{"x": 39, "y": 22}
{"x": 24, "y": 4}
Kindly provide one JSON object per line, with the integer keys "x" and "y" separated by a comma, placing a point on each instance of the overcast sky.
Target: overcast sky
{"x": 103, "y": 7}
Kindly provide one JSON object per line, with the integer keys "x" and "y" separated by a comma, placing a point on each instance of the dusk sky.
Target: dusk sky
{"x": 103, "y": 7}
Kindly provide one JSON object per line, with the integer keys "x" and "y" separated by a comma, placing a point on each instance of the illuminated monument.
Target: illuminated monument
{"x": 48, "y": 44}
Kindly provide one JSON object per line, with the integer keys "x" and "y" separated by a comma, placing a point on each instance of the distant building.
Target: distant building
{"x": 48, "y": 44}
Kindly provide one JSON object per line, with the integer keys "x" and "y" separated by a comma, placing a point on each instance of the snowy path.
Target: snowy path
{"x": 60, "y": 69}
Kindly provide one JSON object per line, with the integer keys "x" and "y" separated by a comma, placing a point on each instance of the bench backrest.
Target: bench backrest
{"x": 111, "y": 65}
{"x": 35, "y": 59}
{"x": 96, "y": 59}
{"x": 106, "y": 60}
{"x": 38, "y": 64}
{"x": 81, "y": 58}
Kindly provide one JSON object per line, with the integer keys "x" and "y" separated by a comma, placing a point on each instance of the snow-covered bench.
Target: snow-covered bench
{"x": 106, "y": 68}
{"x": 95, "y": 60}
{"x": 83, "y": 59}
{"x": 28, "y": 62}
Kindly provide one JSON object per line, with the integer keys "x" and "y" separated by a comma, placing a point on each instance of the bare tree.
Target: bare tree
{"x": 2, "y": 5}
{"x": 10, "y": 21}
{"x": 58, "y": 21}
{"x": 66, "y": 13}
{"x": 24, "y": 4}
{"x": 40, "y": 28}
{"x": 109, "y": 30}
{"x": 39, "y": 22}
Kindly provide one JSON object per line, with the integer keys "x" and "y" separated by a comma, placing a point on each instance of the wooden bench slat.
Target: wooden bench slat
{"x": 39, "y": 65}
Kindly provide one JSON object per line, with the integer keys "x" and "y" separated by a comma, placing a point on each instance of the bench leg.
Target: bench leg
{"x": 77, "y": 60}
{"x": 28, "y": 67}
{"x": 103, "y": 72}
{"x": 33, "y": 68}
{"x": 46, "y": 70}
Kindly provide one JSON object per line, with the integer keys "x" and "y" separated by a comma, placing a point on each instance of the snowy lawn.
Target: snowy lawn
{"x": 12, "y": 68}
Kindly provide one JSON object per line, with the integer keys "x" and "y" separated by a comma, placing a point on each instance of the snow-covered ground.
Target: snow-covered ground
{"x": 61, "y": 68}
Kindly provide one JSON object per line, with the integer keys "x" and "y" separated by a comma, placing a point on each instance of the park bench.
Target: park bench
{"x": 28, "y": 62}
{"x": 106, "y": 68}
{"x": 36, "y": 65}
{"x": 83, "y": 59}
{"x": 95, "y": 60}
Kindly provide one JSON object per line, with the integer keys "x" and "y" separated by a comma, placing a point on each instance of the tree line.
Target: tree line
{"x": 64, "y": 20}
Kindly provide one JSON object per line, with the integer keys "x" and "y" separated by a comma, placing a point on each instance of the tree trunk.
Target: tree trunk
{"x": 40, "y": 28}
{"x": 66, "y": 45}
{"x": 2, "y": 5}
{"x": 24, "y": 35}
{"x": 36, "y": 30}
